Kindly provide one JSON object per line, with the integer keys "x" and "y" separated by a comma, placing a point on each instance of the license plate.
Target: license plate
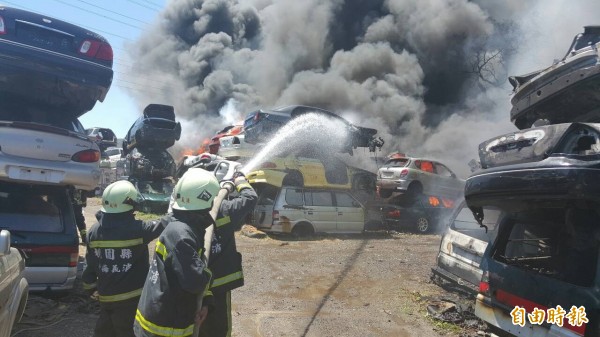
{"x": 387, "y": 174}
{"x": 35, "y": 174}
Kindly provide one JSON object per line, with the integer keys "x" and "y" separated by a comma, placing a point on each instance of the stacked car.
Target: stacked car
{"x": 151, "y": 166}
{"x": 545, "y": 183}
{"x": 52, "y": 73}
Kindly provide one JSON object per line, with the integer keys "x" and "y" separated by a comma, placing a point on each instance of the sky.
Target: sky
{"x": 120, "y": 22}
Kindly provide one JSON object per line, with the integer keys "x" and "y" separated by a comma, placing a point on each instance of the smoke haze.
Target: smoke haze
{"x": 429, "y": 75}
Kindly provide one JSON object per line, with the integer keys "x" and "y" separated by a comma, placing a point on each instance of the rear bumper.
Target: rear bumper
{"x": 388, "y": 184}
{"x": 453, "y": 273}
{"x": 53, "y": 278}
{"x": 81, "y": 175}
{"x": 502, "y": 320}
{"x": 61, "y": 77}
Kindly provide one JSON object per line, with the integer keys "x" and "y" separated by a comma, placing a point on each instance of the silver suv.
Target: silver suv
{"x": 414, "y": 176}
{"x": 13, "y": 285}
{"x": 45, "y": 146}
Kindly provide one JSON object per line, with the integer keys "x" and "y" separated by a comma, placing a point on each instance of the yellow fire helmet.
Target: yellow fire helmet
{"x": 195, "y": 190}
{"x": 119, "y": 197}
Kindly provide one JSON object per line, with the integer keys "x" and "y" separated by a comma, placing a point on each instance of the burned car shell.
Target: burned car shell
{"x": 550, "y": 205}
{"x": 65, "y": 65}
{"x": 156, "y": 129}
{"x": 567, "y": 91}
{"x": 261, "y": 125}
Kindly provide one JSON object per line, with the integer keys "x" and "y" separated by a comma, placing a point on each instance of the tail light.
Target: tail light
{"x": 403, "y": 173}
{"x": 96, "y": 49}
{"x": 484, "y": 285}
{"x": 268, "y": 165}
{"x": 275, "y": 215}
{"x": 73, "y": 252}
{"x": 2, "y": 26}
{"x": 394, "y": 214}
{"x": 86, "y": 156}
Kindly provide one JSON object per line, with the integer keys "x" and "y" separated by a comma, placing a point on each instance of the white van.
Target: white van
{"x": 305, "y": 211}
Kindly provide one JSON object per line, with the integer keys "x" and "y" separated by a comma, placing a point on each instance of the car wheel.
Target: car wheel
{"x": 303, "y": 229}
{"x": 373, "y": 226}
{"x": 385, "y": 193}
{"x": 293, "y": 178}
{"x": 423, "y": 225}
{"x": 414, "y": 190}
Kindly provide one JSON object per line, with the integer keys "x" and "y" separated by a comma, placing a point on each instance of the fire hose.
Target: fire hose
{"x": 208, "y": 236}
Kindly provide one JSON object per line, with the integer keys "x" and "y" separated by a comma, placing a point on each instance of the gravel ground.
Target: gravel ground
{"x": 362, "y": 285}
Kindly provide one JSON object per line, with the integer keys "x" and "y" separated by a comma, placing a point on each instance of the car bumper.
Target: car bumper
{"x": 60, "y": 77}
{"x": 457, "y": 272}
{"x": 397, "y": 185}
{"x": 53, "y": 278}
{"x": 503, "y": 321}
{"x": 82, "y": 176}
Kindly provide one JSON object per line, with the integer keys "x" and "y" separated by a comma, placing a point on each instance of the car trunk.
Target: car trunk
{"x": 38, "y": 141}
{"x": 392, "y": 168}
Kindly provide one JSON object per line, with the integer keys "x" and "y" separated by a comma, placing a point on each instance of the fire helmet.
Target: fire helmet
{"x": 195, "y": 190}
{"x": 119, "y": 197}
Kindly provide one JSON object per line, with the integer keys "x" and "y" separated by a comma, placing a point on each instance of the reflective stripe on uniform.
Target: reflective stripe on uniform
{"x": 88, "y": 286}
{"x": 161, "y": 330}
{"x": 120, "y": 297}
{"x": 116, "y": 243}
{"x": 161, "y": 249}
{"x": 223, "y": 221}
{"x": 226, "y": 279}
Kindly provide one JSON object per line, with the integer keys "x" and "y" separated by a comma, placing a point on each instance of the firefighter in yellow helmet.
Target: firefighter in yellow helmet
{"x": 178, "y": 272}
{"x": 117, "y": 259}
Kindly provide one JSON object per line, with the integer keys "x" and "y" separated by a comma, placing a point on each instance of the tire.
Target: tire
{"x": 373, "y": 226}
{"x": 423, "y": 225}
{"x": 293, "y": 178}
{"x": 385, "y": 193}
{"x": 414, "y": 190}
{"x": 303, "y": 229}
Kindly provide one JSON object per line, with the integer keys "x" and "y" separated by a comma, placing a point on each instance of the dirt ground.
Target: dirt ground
{"x": 363, "y": 285}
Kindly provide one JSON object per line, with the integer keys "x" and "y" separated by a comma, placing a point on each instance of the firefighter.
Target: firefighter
{"x": 117, "y": 259}
{"x": 178, "y": 272}
{"x": 225, "y": 261}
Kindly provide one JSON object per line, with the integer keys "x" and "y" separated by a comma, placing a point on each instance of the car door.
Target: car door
{"x": 350, "y": 214}
{"x": 5, "y": 294}
{"x": 262, "y": 215}
{"x": 320, "y": 210}
{"x": 446, "y": 179}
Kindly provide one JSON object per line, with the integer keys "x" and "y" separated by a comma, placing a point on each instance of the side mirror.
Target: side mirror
{"x": 4, "y": 242}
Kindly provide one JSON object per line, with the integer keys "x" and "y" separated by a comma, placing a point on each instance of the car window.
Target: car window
{"x": 294, "y": 197}
{"x": 318, "y": 198}
{"x": 465, "y": 222}
{"x": 402, "y": 162}
{"x": 443, "y": 170}
{"x": 31, "y": 211}
{"x": 345, "y": 200}
{"x": 425, "y": 165}
{"x": 556, "y": 243}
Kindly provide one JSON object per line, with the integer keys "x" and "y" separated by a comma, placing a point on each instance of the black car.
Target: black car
{"x": 423, "y": 214}
{"x": 261, "y": 125}
{"x": 155, "y": 129}
{"x": 66, "y": 66}
{"x": 150, "y": 164}
{"x": 546, "y": 183}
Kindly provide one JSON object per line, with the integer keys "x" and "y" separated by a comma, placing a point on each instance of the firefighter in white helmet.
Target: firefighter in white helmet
{"x": 178, "y": 272}
{"x": 117, "y": 259}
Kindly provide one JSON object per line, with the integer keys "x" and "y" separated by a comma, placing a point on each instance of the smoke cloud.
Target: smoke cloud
{"x": 429, "y": 75}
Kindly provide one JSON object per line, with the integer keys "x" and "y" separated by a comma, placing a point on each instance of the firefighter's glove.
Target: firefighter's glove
{"x": 228, "y": 185}
{"x": 83, "y": 235}
{"x": 241, "y": 182}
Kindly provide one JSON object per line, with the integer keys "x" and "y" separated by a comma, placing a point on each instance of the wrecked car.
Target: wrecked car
{"x": 155, "y": 129}
{"x": 155, "y": 195}
{"x": 416, "y": 176}
{"x": 463, "y": 243}
{"x": 565, "y": 92}
{"x": 215, "y": 142}
{"x": 68, "y": 67}
{"x": 151, "y": 164}
{"x": 104, "y": 137}
{"x": 261, "y": 125}
{"x": 306, "y": 211}
{"x": 545, "y": 182}
{"x": 223, "y": 169}
{"x": 236, "y": 148}
{"x": 13, "y": 285}
{"x": 423, "y": 214}
{"x": 296, "y": 170}
{"x": 42, "y": 145}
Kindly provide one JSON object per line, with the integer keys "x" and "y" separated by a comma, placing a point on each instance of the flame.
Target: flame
{"x": 434, "y": 201}
{"x": 448, "y": 203}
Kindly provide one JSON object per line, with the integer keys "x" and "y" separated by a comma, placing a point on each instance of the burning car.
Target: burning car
{"x": 215, "y": 143}
{"x": 67, "y": 67}
{"x": 155, "y": 129}
{"x": 424, "y": 214}
{"x": 545, "y": 181}
{"x": 567, "y": 91}
{"x": 416, "y": 176}
{"x": 261, "y": 125}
